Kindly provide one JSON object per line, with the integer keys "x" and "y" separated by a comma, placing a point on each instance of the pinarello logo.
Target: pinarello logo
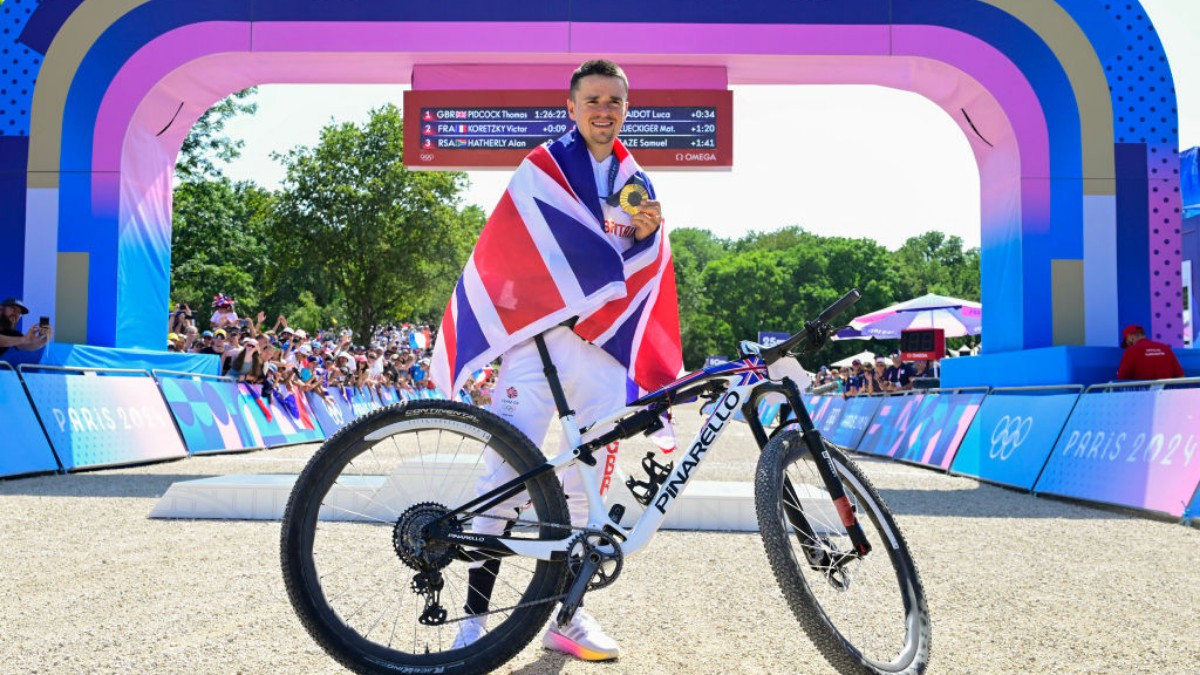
{"x": 511, "y": 392}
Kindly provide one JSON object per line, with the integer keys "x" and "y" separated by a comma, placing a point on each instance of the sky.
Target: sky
{"x": 857, "y": 161}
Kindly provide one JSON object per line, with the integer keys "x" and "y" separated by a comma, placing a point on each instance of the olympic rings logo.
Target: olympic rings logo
{"x": 426, "y": 156}
{"x": 1008, "y": 435}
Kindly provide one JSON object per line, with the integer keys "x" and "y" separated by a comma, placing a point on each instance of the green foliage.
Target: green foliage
{"x": 206, "y": 142}
{"x": 217, "y": 243}
{"x": 389, "y": 240}
{"x": 730, "y": 290}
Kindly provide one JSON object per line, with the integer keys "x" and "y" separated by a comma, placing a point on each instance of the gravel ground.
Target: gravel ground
{"x": 1015, "y": 583}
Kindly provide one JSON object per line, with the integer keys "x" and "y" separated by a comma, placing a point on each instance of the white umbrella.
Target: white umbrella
{"x": 864, "y": 357}
{"x": 956, "y": 317}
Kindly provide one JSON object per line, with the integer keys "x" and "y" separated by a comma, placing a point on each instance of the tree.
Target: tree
{"x": 206, "y": 142}
{"x": 389, "y": 240}
{"x": 216, "y": 242}
{"x": 934, "y": 263}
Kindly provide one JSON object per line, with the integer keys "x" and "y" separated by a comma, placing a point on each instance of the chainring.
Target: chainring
{"x": 611, "y": 562}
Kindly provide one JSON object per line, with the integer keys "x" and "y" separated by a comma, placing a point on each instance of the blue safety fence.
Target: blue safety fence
{"x": 283, "y": 418}
{"x": 924, "y": 428}
{"x": 97, "y": 418}
{"x": 854, "y": 416}
{"x": 26, "y": 449}
{"x": 1014, "y": 432}
{"x": 330, "y": 415}
{"x": 1130, "y": 444}
{"x": 207, "y": 412}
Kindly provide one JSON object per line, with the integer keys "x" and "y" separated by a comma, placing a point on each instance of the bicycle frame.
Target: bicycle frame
{"x": 745, "y": 383}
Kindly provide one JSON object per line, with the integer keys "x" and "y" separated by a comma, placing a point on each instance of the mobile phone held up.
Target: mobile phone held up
{"x": 44, "y": 321}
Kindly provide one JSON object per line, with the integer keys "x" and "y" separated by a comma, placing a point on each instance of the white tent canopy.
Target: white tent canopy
{"x": 865, "y": 357}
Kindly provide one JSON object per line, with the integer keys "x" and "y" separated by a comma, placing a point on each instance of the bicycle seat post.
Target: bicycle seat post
{"x": 574, "y": 440}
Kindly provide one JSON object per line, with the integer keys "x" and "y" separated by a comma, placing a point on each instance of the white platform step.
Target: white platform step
{"x": 704, "y": 505}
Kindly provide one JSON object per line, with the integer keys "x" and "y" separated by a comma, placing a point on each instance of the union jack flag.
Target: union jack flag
{"x": 543, "y": 258}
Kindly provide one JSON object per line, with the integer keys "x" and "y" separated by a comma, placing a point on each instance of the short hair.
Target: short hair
{"x": 597, "y": 67}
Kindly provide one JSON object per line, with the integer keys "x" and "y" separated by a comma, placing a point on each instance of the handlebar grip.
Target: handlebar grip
{"x": 840, "y": 306}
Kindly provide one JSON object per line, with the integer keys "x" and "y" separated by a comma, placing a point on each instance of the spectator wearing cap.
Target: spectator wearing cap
{"x": 218, "y": 344}
{"x": 1146, "y": 359}
{"x": 855, "y": 380}
{"x": 11, "y": 311}
{"x": 875, "y": 381}
{"x": 202, "y": 342}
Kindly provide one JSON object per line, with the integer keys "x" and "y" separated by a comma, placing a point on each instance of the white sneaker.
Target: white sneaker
{"x": 583, "y": 638}
{"x": 471, "y": 630}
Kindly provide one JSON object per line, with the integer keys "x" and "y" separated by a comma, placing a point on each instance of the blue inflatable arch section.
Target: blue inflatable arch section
{"x": 1068, "y": 107}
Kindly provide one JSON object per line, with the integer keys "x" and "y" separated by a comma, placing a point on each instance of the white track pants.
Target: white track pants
{"x": 594, "y": 384}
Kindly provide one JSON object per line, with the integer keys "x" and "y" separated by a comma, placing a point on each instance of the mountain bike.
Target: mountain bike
{"x": 377, "y": 535}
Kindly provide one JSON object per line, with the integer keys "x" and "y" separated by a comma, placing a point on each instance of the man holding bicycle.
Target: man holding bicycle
{"x": 607, "y": 312}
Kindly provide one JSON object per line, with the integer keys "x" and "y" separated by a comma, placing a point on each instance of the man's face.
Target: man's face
{"x": 12, "y": 313}
{"x": 598, "y": 107}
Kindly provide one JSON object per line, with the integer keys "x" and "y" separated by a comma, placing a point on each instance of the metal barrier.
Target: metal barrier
{"x": 1145, "y": 385}
{"x": 86, "y": 371}
{"x": 181, "y": 373}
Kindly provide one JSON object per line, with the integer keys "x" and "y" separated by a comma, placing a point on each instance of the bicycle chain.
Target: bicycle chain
{"x": 553, "y": 598}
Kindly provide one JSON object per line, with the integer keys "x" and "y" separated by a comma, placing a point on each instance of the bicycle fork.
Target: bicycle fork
{"x": 811, "y": 437}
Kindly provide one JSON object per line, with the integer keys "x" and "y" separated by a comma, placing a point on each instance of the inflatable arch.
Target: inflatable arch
{"x": 1068, "y": 106}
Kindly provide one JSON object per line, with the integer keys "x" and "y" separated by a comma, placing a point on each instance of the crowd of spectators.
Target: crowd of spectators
{"x": 284, "y": 356}
{"x": 879, "y": 377}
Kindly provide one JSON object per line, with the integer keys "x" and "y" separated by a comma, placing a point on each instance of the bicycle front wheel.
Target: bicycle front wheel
{"x": 365, "y": 581}
{"x": 865, "y": 614}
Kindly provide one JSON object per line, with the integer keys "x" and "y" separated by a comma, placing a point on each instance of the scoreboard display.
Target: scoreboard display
{"x": 922, "y": 344}
{"x": 687, "y": 128}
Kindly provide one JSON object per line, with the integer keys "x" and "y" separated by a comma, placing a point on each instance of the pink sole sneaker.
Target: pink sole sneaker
{"x": 564, "y": 644}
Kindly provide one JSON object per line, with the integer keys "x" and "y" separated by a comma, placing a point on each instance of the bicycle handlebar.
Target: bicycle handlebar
{"x": 815, "y": 332}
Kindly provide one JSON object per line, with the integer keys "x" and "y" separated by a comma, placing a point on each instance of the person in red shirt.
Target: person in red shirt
{"x": 1145, "y": 359}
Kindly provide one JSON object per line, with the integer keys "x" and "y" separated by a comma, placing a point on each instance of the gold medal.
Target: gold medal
{"x": 632, "y": 196}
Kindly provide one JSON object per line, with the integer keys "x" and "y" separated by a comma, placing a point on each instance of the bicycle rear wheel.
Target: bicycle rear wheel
{"x": 359, "y": 571}
{"x": 865, "y": 614}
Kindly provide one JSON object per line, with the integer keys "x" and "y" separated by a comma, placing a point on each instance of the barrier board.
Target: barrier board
{"x": 294, "y": 416}
{"x": 827, "y": 412}
{"x": 95, "y": 420}
{"x": 925, "y": 430}
{"x": 813, "y": 403}
{"x": 287, "y": 419}
{"x": 26, "y": 449}
{"x": 261, "y": 415}
{"x": 208, "y": 414}
{"x": 329, "y": 414}
{"x": 941, "y": 423}
{"x": 886, "y": 431}
{"x": 1130, "y": 448}
{"x": 342, "y": 397}
{"x": 1012, "y": 436}
{"x": 361, "y": 401}
{"x": 852, "y": 423}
